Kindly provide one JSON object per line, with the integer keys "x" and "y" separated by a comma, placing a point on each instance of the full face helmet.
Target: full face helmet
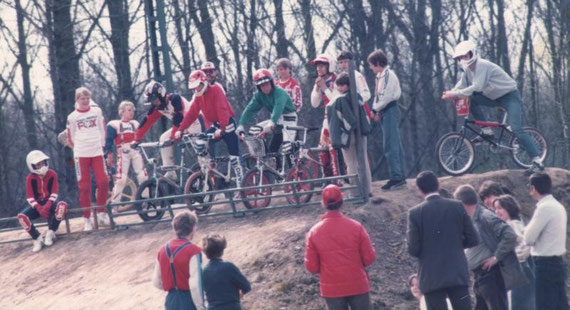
{"x": 464, "y": 48}
{"x": 33, "y": 159}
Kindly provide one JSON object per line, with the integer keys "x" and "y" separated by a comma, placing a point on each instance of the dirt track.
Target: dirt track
{"x": 112, "y": 270}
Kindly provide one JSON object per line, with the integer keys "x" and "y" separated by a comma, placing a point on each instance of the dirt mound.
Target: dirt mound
{"x": 112, "y": 270}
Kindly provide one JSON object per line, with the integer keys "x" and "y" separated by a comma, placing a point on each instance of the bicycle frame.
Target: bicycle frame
{"x": 505, "y": 131}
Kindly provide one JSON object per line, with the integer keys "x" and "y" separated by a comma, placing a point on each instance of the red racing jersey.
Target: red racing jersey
{"x": 41, "y": 189}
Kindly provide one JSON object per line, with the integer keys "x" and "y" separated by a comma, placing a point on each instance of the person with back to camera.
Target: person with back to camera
{"x": 86, "y": 135}
{"x": 338, "y": 248}
{"x": 176, "y": 261}
{"x": 41, "y": 194}
{"x": 489, "y": 85}
{"x": 223, "y": 282}
{"x": 439, "y": 230}
{"x": 120, "y": 134}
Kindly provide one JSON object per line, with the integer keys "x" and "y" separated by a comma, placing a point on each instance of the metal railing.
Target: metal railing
{"x": 233, "y": 201}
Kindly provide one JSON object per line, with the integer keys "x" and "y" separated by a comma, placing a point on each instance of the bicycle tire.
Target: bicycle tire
{"x": 253, "y": 178}
{"x": 520, "y": 155}
{"x": 128, "y": 194}
{"x": 152, "y": 192}
{"x": 299, "y": 173}
{"x": 455, "y": 153}
{"x": 195, "y": 184}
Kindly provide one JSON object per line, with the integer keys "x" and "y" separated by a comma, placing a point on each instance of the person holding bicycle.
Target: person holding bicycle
{"x": 120, "y": 134}
{"x": 277, "y": 102}
{"x": 172, "y": 106}
{"x": 217, "y": 115}
{"x": 489, "y": 85}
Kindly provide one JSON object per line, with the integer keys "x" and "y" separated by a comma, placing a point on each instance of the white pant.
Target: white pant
{"x": 289, "y": 119}
{"x": 125, "y": 157}
{"x": 167, "y": 153}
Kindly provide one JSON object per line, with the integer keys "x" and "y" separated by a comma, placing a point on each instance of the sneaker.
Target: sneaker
{"x": 103, "y": 219}
{"x": 50, "y": 237}
{"x": 38, "y": 244}
{"x": 537, "y": 166}
{"x": 392, "y": 184}
{"x": 88, "y": 226}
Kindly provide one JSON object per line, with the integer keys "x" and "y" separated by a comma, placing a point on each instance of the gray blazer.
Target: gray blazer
{"x": 501, "y": 239}
{"x": 438, "y": 231}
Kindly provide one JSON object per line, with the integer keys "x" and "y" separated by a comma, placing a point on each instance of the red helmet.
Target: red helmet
{"x": 326, "y": 59}
{"x": 331, "y": 195}
{"x": 195, "y": 78}
{"x": 261, "y": 76}
{"x": 208, "y": 66}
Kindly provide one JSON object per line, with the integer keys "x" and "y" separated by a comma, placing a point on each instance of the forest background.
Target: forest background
{"x": 51, "y": 47}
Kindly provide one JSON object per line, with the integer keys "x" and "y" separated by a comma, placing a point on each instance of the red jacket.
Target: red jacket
{"x": 41, "y": 189}
{"x": 214, "y": 106}
{"x": 339, "y": 248}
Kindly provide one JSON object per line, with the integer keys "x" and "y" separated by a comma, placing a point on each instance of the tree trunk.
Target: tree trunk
{"x": 282, "y": 41}
{"x": 251, "y": 48}
{"x": 525, "y": 45}
{"x": 204, "y": 25}
{"x": 119, "y": 18}
{"x": 27, "y": 105}
{"x": 502, "y": 40}
{"x": 183, "y": 43}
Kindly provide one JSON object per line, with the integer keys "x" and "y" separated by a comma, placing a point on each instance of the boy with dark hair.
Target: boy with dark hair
{"x": 41, "y": 194}
{"x": 489, "y": 191}
{"x": 362, "y": 89}
{"x": 546, "y": 235}
{"x": 224, "y": 284}
{"x": 386, "y": 111}
{"x": 338, "y": 248}
{"x": 342, "y": 124}
{"x": 175, "y": 262}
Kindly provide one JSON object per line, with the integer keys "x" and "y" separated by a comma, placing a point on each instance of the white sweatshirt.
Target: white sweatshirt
{"x": 86, "y": 132}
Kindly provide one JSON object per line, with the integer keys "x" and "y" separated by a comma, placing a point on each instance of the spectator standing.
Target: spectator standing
{"x": 342, "y": 124}
{"x": 176, "y": 260}
{"x": 438, "y": 231}
{"x": 224, "y": 284}
{"x": 339, "y": 249}
{"x": 289, "y": 83}
{"x": 362, "y": 89}
{"x": 86, "y": 135}
{"x": 386, "y": 112}
{"x": 507, "y": 209}
{"x": 489, "y": 191}
{"x": 546, "y": 235}
{"x": 495, "y": 266}
{"x": 414, "y": 284}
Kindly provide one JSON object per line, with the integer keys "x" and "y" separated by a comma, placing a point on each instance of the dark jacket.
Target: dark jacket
{"x": 501, "y": 239}
{"x": 223, "y": 282}
{"x": 342, "y": 121}
{"x": 438, "y": 231}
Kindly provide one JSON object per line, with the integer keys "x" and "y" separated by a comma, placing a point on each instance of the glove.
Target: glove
{"x": 135, "y": 144}
{"x": 110, "y": 162}
{"x": 176, "y": 136}
{"x": 266, "y": 130}
{"x": 218, "y": 134}
{"x": 44, "y": 210}
{"x": 240, "y": 130}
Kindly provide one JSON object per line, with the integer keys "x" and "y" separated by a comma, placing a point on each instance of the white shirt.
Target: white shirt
{"x": 546, "y": 232}
{"x": 361, "y": 86}
{"x": 387, "y": 89}
{"x": 86, "y": 132}
{"x": 486, "y": 77}
{"x": 423, "y": 305}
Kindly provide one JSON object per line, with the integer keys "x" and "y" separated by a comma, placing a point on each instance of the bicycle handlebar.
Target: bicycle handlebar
{"x": 300, "y": 128}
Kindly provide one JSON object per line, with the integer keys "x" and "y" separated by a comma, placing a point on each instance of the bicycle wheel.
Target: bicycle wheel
{"x": 258, "y": 197}
{"x": 198, "y": 183}
{"x": 312, "y": 164}
{"x": 519, "y": 153}
{"x": 154, "y": 209}
{"x": 299, "y": 174}
{"x": 455, "y": 153}
{"x": 128, "y": 194}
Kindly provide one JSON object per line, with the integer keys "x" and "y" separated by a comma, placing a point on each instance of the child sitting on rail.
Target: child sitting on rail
{"x": 41, "y": 193}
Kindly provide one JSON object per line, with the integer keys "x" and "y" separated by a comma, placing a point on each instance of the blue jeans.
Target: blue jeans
{"x": 393, "y": 149}
{"x": 551, "y": 283}
{"x": 523, "y": 298}
{"x": 511, "y": 102}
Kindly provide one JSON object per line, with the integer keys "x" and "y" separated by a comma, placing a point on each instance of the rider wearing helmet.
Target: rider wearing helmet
{"x": 41, "y": 194}
{"x": 489, "y": 85}
{"x": 324, "y": 92}
{"x": 217, "y": 115}
{"x": 172, "y": 106}
{"x": 276, "y": 101}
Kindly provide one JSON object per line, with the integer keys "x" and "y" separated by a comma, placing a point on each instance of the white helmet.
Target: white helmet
{"x": 196, "y": 78}
{"x": 34, "y": 158}
{"x": 464, "y": 48}
{"x": 154, "y": 90}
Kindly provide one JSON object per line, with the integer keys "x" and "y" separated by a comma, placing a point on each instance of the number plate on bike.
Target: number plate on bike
{"x": 462, "y": 106}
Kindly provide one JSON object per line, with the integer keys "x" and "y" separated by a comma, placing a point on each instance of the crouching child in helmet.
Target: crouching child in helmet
{"x": 41, "y": 194}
